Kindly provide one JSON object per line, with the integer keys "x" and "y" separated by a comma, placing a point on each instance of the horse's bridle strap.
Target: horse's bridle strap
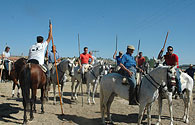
{"x": 153, "y": 81}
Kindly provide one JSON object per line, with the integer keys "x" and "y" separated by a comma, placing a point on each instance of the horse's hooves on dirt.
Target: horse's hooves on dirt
{"x": 31, "y": 118}
{"x": 12, "y": 95}
{"x": 42, "y": 112}
{"x": 35, "y": 111}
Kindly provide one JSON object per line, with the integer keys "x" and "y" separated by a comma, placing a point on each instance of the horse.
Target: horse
{"x": 62, "y": 67}
{"x": 15, "y": 72}
{"x": 92, "y": 77}
{"x": 32, "y": 77}
{"x": 111, "y": 85}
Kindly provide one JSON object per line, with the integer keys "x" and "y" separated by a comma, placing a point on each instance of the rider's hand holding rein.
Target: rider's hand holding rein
{"x": 124, "y": 68}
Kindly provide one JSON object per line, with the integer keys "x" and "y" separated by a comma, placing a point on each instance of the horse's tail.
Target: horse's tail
{"x": 26, "y": 85}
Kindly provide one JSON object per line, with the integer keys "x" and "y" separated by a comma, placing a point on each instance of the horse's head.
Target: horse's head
{"x": 71, "y": 67}
{"x": 171, "y": 75}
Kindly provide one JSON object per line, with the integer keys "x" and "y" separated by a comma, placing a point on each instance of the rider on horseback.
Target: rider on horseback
{"x": 172, "y": 59}
{"x": 84, "y": 60}
{"x": 6, "y": 60}
{"x": 36, "y": 52}
{"x": 128, "y": 64}
{"x": 118, "y": 59}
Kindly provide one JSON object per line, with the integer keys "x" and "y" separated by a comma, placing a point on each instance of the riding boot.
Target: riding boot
{"x": 83, "y": 78}
{"x": 131, "y": 94}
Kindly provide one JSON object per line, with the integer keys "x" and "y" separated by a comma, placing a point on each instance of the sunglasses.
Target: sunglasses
{"x": 170, "y": 50}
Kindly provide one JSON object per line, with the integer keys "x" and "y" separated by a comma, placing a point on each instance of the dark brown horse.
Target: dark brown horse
{"x": 15, "y": 72}
{"x": 32, "y": 78}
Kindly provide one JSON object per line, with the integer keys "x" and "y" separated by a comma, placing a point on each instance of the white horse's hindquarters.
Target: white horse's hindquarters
{"x": 186, "y": 82}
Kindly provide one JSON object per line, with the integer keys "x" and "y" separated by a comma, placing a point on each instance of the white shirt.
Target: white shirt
{"x": 6, "y": 55}
{"x": 37, "y": 52}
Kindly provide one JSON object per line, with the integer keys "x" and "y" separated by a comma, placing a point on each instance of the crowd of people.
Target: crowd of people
{"x": 127, "y": 62}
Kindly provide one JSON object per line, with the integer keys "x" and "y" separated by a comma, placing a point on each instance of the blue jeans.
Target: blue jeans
{"x": 131, "y": 79}
{"x": 178, "y": 81}
{"x": 6, "y": 64}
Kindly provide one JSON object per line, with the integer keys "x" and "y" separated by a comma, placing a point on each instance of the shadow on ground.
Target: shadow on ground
{"x": 6, "y": 110}
{"x": 79, "y": 119}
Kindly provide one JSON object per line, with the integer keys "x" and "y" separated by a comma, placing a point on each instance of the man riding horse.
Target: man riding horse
{"x": 83, "y": 62}
{"x": 172, "y": 59}
{"x": 6, "y": 60}
{"x": 36, "y": 52}
{"x": 128, "y": 64}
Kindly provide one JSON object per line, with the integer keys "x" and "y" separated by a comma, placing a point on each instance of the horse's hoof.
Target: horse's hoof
{"x": 12, "y": 95}
{"x": 24, "y": 122}
{"x": 42, "y": 112}
{"x": 35, "y": 111}
{"x": 54, "y": 103}
{"x": 31, "y": 118}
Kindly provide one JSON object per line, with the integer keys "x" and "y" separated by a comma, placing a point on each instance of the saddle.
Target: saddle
{"x": 43, "y": 68}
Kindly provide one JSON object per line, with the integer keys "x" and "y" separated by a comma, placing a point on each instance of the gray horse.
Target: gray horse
{"x": 62, "y": 67}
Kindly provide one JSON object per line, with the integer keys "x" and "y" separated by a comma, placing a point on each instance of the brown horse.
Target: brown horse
{"x": 32, "y": 78}
{"x": 15, "y": 72}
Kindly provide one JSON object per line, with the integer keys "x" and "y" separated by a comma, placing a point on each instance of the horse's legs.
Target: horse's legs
{"x": 141, "y": 112}
{"x": 159, "y": 109}
{"x": 32, "y": 103}
{"x": 72, "y": 87}
{"x": 13, "y": 88}
{"x": 88, "y": 91}
{"x": 75, "y": 94}
{"x": 62, "y": 86}
{"x": 94, "y": 90}
{"x": 54, "y": 93}
{"x": 148, "y": 113}
{"x": 42, "y": 99}
{"x": 24, "y": 104}
{"x": 110, "y": 100}
{"x": 169, "y": 97}
{"x": 187, "y": 107}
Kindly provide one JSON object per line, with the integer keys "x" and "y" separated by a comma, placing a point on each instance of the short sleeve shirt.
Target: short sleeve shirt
{"x": 128, "y": 61}
{"x": 141, "y": 61}
{"x": 6, "y": 54}
{"x": 170, "y": 60}
{"x": 190, "y": 72}
{"x": 51, "y": 56}
{"x": 37, "y": 52}
{"x": 85, "y": 58}
{"x": 118, "y": 60}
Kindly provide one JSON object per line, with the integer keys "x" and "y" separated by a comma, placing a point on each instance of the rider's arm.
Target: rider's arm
{"x": 124, "y": 68}
{"x": 50, "y": 34}
{"x": 114, "y": 56}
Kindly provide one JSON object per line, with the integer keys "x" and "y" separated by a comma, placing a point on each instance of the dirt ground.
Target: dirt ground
{"x": 11, "y": 110}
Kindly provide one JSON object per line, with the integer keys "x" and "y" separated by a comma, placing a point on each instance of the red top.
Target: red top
{"x": 141, "y": 61}
{"x": 171, "y": 59}
{"x": 85, "y": 58}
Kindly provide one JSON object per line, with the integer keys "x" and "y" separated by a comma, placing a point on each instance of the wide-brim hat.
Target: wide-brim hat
{"x": 130, "y": 47}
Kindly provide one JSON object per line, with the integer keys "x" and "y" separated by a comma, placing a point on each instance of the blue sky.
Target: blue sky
{"x": 98, "y": 22}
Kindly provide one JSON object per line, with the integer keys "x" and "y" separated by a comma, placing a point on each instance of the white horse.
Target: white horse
{"x": 62, "y": 67}
{"x": 187, "y": 87}
{"x": 92, "y": 77}
{"x": 111, "y": 85}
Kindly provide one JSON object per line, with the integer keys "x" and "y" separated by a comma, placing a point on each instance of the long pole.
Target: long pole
{"x": 137, "y": 53}
{"x": 116, "y": 51}
{"x": 81, "y": 84}
{"x": 57, "y": 72}
{"x": 166, "y": 39}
